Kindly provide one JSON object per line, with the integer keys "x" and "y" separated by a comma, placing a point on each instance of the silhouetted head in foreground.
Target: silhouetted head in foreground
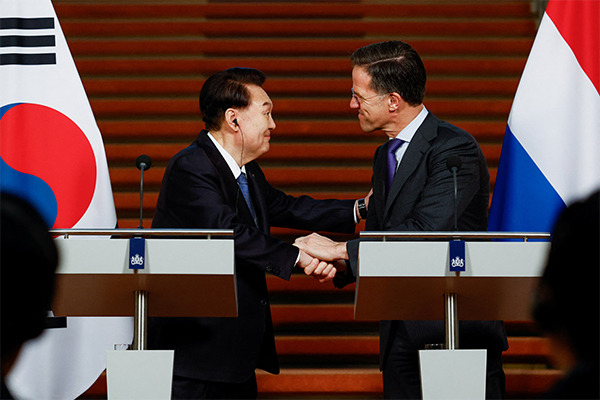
{"x": 27, "y": 266}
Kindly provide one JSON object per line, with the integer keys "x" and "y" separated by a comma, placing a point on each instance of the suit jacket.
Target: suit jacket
{"x": 199, "y": 191}
{"x": 421, "y": 198}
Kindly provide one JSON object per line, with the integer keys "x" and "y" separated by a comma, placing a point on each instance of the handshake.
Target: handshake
{"x": 321, "y": 257}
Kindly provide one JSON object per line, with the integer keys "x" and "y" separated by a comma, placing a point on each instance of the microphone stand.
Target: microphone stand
{"x": 455, "y": 198}
{"x": 453, "y": 163}
{"x": 140, "y": 320}
{"x": 142, "y": 198}
{"x": 143, "y": 163}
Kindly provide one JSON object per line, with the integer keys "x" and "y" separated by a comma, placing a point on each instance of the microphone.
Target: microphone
{"x": 143, "y": 163}
{"x": 453, "y": 163}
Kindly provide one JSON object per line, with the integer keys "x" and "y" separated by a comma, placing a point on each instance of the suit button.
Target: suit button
{"x": 269, "y": 268}
{"x": 263, "y": 302}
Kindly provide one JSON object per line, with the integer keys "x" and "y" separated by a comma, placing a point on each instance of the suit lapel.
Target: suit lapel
{"x": 258, "y": 200}
{"x": 412, "y": 158}
{"x": 233, "y": 194}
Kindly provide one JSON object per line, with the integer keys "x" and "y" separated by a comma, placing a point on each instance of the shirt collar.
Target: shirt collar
{"x": 233, "y": 165}
{"x": 409, "y": 131}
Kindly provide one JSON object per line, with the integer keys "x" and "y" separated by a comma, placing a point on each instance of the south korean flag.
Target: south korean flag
{"x": 52, "y": 154}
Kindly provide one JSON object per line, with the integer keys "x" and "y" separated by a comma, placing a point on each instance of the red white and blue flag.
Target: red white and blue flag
{"x": 51, "y": 153}
{"x": 551, "y": 151}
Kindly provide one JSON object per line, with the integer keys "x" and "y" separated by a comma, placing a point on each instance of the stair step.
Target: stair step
{"x": 314, "y": 313}
{"x": 299, "y": 382}
{"x": 100, "y": 9}
{"x": 130, "y": 201}
{"x": 278, "y": 152}
{"x": 277, "y": 176}
{"x": 369, "y": 381}
{"x": 521, "y": 349}
{"x": 130, "y": 219}
{"x": 297, "y": 152}
{"x": 178, "y": 129}
{"x": 286, "y": 107}
{"x": 327, "y": 345}
{"x": 530, "y": 383}
{"x": 333, "y": 27}
{"x": 290, "y": 46}
{"x": 361, "y": 382}
{"x": 324, "y": 66}
{"x": 329, "y": 86}
{"x": 528, "y": 348}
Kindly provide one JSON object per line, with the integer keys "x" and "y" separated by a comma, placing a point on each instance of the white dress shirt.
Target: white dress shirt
{"x": 407, "y": 134}
{"x": 233, "y": 165}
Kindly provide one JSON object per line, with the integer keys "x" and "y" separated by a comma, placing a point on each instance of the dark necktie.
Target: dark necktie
{"x": 393, "y": 145}
{"x": 243, "y": 183}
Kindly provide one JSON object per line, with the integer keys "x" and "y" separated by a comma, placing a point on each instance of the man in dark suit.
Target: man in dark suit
{"x": 215, "y": 183}
{"x": 413, "y": 190}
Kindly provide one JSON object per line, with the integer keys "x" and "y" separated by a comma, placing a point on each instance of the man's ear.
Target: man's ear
{"x": 231, "y": 119}
{"x": 395, "y": 102}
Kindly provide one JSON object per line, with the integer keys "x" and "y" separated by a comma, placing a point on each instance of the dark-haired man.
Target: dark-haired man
{"x": 28, "y": 261}
{"x": 215, "y": 183}
{"x": 413, "y": 190}
{"x": 567, "y": 305}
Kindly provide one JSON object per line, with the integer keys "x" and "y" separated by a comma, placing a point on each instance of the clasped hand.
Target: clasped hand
{"x": 320, "y": 256}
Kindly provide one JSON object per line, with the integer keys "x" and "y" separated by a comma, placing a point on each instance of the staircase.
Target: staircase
{"x": 143, "y": 64}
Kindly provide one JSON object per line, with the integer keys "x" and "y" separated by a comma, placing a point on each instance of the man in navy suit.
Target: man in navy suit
{"x": 413, "y": 190}
{"x": 215, "y": 183}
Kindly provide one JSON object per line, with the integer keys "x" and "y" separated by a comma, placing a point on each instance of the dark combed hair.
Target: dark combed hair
{"x": 227, "y": 89}
{"x": 394, "y": 66}
{"x": 28, "y": 261}
{"x": 568, "y": 299}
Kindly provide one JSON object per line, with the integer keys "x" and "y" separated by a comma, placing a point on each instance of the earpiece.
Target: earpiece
{"x": 242, "y": 135}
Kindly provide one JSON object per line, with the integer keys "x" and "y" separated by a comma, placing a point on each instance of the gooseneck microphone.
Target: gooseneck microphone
{"x": 143, "y": 163}
{"x": 453, "y": 163}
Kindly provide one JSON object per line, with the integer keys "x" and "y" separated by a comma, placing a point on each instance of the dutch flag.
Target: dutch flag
{"x": 551, "y": 151}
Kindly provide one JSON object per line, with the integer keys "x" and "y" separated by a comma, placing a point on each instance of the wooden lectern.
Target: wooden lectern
{"x": 406, "y": 276}
{"x": 188, "y": 273}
